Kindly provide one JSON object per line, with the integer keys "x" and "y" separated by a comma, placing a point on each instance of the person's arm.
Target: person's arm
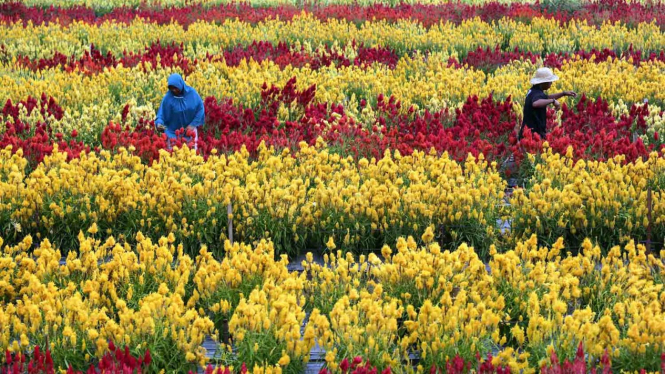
{"x": 160, "y": 115}
{"x": 541, "y": 103}
{"x": 562, "y": 94}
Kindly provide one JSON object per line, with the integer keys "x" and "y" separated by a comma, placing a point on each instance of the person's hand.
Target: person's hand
{"x": 161, "y": 128}
{"x": 190, "y": 128}
{"x": 557, "y": 104}
{"x": 570, "y": 93}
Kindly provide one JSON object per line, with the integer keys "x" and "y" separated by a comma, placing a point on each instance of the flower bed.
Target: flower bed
{"x": 301, "y": 199}
{"x": 166, "y": 11}
{"x": 287, "y": 116}
{"x": 442, "y": 306}
{"x": 298, "y": 200}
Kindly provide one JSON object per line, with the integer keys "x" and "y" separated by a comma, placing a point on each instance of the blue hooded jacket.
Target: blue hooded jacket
{"x": 177, "y": 112}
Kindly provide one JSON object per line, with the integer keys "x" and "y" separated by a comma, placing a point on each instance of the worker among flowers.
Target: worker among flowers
{"x": 181, "y": 108}
{"x": 535, "y": 105}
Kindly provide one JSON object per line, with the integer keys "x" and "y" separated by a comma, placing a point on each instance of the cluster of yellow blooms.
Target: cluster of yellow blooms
{"x": 605, "y": 201}
{"x": 297, "y": 199}
{"x": 524, "y": 304}
{"x": 300, "y": 200}
{"x": 134, "y": 296}
{"x": 541, "y": 35}
{"x": 561, "y": 300}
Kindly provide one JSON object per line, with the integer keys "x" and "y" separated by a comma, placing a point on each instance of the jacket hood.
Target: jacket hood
{"x": 176, "y": 81}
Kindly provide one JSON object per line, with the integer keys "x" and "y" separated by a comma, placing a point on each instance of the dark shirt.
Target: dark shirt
{"x": 535, "y": 118}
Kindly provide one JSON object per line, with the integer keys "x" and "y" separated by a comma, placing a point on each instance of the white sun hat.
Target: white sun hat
{"x": 544, "y": 75}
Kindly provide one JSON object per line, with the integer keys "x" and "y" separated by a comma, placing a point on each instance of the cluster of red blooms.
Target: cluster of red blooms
{"x": 116, "y": 361}
{"x": 594, "y": 133}
{"x": 458, "y": 366}
{"x": 120, "y": 361}
{"x": 39, "y": 363}
{"x": 578, "y": 365}
{"x": 484, "y": 126}
{"x": 595, "y": 12}
{"x": 171, "y": 55}
{"x": 356, "y": 366}
{"x": 36, "y": 140}
{"x": 94, "y": 61}
{"x": 283, "y": 55}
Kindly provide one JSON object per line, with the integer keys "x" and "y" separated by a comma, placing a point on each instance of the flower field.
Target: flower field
{"x": 358, "y": 188}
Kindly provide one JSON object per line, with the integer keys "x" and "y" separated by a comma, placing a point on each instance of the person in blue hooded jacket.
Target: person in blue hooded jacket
{"x": 181, "y": 108}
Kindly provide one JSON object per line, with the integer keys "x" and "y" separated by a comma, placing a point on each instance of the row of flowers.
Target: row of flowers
{"x": 202, "y": 38}
{"x": 121, "y": 362}
{"x": 115, "y": 361}
{"x": 428, "y": 13}
{"x": 284, "y": 55}
{"x": 90, "y": 102}
{"x": 300, "y": 199}
{"x": 287, "y": 116}
{"x": 445, "y": 307}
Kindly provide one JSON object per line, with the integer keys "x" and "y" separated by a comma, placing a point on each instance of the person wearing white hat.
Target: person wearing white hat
{"x": 536, "y": 102}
